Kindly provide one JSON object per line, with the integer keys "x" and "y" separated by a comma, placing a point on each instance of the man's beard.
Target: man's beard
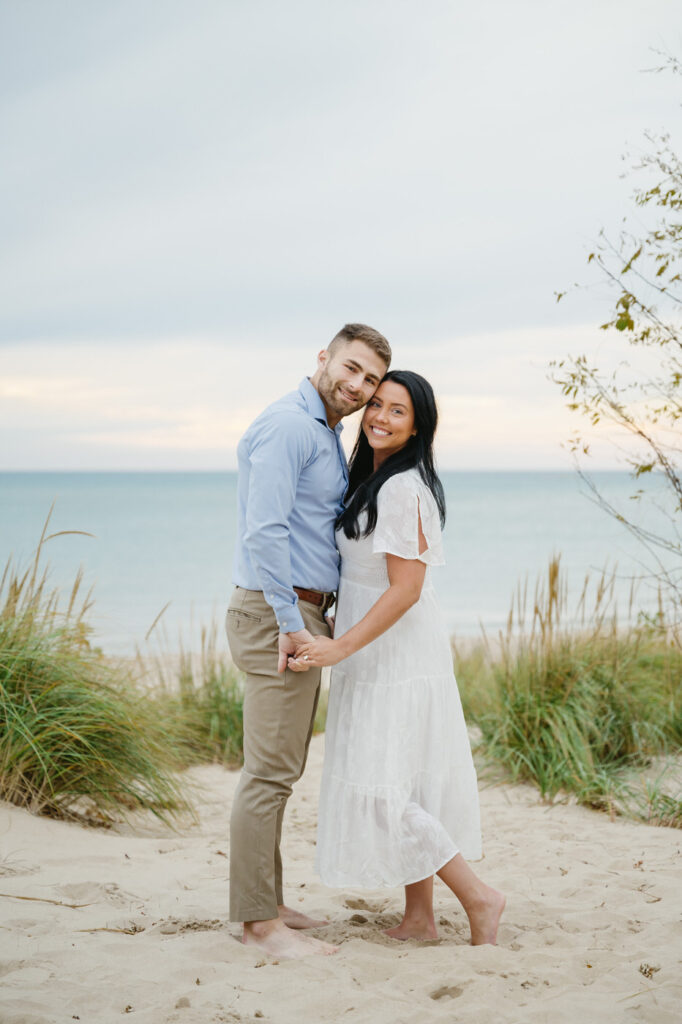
{"x": 332, "y": 395}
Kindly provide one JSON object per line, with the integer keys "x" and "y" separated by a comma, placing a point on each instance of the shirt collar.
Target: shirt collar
{"x": 315, "y": 405}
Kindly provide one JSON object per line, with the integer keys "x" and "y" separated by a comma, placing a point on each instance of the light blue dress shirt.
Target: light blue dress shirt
{"x": 292, "y": 479}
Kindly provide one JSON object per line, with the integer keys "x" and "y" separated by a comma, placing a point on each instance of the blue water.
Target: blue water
{"x": 169, "y": 537}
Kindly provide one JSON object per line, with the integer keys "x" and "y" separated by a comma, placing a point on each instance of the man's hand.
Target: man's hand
{"x": 322, "y": 651}
{"x": 288, "y": 644}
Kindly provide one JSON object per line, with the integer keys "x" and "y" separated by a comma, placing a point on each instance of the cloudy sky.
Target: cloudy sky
{"x": 196, "y": 196}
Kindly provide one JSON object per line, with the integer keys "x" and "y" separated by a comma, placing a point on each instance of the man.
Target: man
{"x": 292, "y": 479}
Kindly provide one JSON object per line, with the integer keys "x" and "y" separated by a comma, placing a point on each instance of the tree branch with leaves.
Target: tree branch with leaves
{"x": 643, "y": 267}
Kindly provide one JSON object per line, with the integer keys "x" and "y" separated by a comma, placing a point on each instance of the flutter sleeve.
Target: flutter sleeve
{"x": 402, "y": 502}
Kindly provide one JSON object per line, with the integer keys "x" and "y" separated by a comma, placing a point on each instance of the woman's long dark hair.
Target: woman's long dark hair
{"x": 364, "y": 484}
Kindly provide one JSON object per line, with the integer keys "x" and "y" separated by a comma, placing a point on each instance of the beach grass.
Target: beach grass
{"x": 76, "y": 737}
{"x": 575, "y": 704}
{"x": 320, "y": 722}
{"x": 200, "y": 699}
{"x": 582, "y": 710}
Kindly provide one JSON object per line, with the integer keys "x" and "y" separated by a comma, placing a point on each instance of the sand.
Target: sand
{"x": 96, "y": 925}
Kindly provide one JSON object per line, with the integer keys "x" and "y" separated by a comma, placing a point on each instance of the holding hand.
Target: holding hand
{"x": 320, "y": 652}
{"x": 289, "y": 644}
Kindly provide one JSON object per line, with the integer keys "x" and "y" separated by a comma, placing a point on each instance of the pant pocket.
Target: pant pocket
{"x": 252, "y": 634}
{"x": 237, "y": 625}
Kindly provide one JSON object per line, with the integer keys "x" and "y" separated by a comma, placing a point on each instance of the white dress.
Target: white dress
{"x": 399, "y": 796}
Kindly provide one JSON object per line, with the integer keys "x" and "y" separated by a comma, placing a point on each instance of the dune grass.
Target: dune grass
{"x": 200, "y": 699}
{"x": 588, "y": 709}
{"x": 582, "y": 710}
{"x": 75, "y": 735}
{"x": 320, "y": 722}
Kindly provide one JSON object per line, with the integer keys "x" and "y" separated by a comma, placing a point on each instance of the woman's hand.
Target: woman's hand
{"x": 322, "y": 651}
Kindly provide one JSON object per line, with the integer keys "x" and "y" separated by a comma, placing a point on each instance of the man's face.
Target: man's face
{"x": 347, "y": 378}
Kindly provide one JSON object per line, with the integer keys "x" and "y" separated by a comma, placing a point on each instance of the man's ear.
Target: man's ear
{"x": 322, "y": 360}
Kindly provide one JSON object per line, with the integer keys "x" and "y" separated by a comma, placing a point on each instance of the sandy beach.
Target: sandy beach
{"x": 96, "y": 924}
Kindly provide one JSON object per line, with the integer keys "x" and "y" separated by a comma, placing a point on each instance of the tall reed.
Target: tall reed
{"x": 71, "y": 725}
{"x": 575, "y": 709}
{"x": 199, "y": 698}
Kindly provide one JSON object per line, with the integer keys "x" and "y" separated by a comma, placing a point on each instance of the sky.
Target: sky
{"x": 197, "y": 196}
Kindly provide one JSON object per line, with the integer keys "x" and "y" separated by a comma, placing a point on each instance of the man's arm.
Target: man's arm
{"x": 279, "y": 451}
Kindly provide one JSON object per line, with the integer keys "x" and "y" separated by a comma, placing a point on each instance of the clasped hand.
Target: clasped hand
{"x": 289, "y": 644}
{"x": 318, "y": 653}
{"x": 293, "y": 648}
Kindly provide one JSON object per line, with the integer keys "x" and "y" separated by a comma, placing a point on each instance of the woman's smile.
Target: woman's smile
{"x": 388, "y": 422}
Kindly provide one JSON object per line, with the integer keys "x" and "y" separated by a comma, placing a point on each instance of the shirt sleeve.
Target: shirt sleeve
{"x": 279, "y": 450}
{"x": 402, "y": 503}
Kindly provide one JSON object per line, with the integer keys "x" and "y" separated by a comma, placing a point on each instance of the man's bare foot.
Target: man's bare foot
{"x": 277, "y": 940}
{"x": 484, "y": 917}
{"x": 295, "y": 919}
{"x": 413, "y": 928}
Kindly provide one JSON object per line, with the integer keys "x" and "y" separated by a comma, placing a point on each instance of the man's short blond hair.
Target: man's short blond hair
{"x": 365, "y": 334}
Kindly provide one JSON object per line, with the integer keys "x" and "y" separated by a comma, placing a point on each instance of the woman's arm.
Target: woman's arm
{"x": 406, "y": 579}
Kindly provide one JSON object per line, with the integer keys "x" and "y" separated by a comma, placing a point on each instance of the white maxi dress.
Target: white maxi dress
{"x": 399, "y": 796}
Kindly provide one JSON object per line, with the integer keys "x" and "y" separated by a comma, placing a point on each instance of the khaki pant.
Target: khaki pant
{"x": 279, "y": 710}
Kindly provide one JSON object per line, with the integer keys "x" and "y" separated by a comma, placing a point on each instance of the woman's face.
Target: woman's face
{"x": 388, "y": 422}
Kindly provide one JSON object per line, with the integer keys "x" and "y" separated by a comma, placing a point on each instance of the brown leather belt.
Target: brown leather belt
{"x": 314, "y": 597}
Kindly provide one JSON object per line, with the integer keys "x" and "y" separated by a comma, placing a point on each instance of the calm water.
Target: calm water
{"x": 169, "y": 537}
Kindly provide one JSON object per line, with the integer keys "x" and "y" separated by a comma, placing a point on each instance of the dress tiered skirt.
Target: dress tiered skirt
{"x": 399, "y": 793}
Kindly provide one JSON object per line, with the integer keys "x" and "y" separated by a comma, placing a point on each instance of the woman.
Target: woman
{"x": 399, "y": 800}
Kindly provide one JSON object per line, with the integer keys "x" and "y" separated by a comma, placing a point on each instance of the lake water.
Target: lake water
{"x": 169, "y": 537}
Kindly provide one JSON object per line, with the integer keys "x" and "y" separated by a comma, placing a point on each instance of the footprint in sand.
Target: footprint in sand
{"x": 96, "y": 892}
{"x": 10, "y": 966}
{"x": 173, "y": 926}
{"x": 359, "y": 904}
{"x": 447, "y": 992}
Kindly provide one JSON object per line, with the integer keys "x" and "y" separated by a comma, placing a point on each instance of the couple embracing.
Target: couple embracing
{"x": 399, "y": 800}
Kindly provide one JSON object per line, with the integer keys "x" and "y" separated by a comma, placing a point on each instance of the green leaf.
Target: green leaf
{"x": 635, "y": 256}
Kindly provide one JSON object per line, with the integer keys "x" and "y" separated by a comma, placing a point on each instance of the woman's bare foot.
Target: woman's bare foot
{"x": 484, "y": 917}
{"x": 413, "y": 928}
{"x": 276, "y": 939}
{"x": 295, "y": 919}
